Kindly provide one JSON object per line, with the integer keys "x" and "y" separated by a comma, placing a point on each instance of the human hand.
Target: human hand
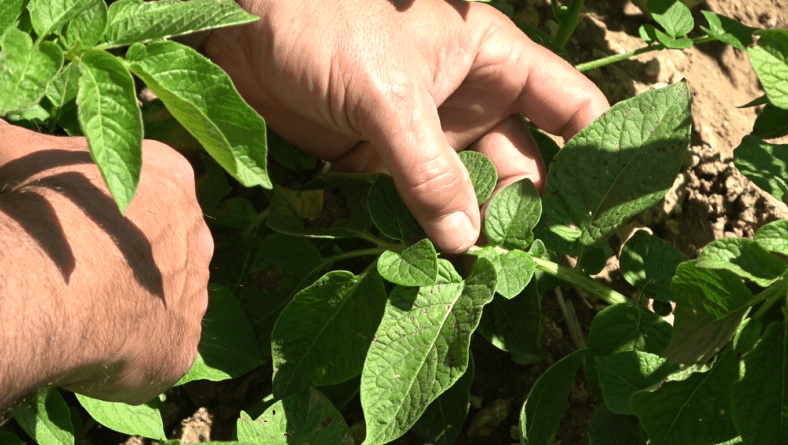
{"x": 399, "y": 86}
{"x": 103, "y": 305}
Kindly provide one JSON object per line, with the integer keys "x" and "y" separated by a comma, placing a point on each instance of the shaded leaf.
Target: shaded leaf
{"x": 25, "y": 71}
{"x": 624, "y": 373}
{"x": 515, "y": 325}
{"x": 760, "y": 399}
{"x": 303, "y": 418}
{"x": 47, "y": 418}
{"x": 441, "y": 423}
{"x": 544, "y": 407}
{"x": 322, "y": 336}
{"x": 748, "y": 333}
{"x": 287, "y": 154}
{"x": 772, "y": 122}
{"x": 620, "y": 165}
{"x": 330, "y": 213}
{"x": 227, "y": 346}
{"x": 608, "y": 428}
{"x": 201, "y": 96}
{"x": 764, "y": 164}
{"x": 769, "y": 59}
{"x": 133, "y": 21}
{"x": 744, "y": 258}
{"x": 389, "y": 212}
{"x": 512, "y": 214}
{"x": 141, "y": 420}
{"x": 695, "y": 410}
{"x": 415, "y": 266}
{"x": 728, "y": 30}
{"x": 547, "y": 146}
{"x": 112, "y": 122}
{"x": 420, "y": 350}
{"x": 213, "y": 186}
{"x": 483, "y": 174}
{"x": 710, "y": 305}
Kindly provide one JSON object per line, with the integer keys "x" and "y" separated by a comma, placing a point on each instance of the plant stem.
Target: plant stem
{"x": 567, "y": 22}
{"x": 772, "y": 295}
{"x": 572, "y": 276}
{"x": 568, "y": 311}
{"x": 583, "y": 67}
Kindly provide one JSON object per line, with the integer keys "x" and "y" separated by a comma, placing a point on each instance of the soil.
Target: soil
{"x": 710, "y": 200}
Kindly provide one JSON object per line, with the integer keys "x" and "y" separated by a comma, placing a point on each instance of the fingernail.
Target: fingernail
{"x": 454, "y": 233}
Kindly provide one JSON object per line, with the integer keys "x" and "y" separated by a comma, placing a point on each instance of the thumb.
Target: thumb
{"x": 429, "y": 175}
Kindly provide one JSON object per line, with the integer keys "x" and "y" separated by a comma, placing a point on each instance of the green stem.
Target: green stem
{"x": 256, "y": 223}
{"x": 771, "y": 295}
{"x": 583, "y": 67}
{"x": 571, "y": 276}
{"x": 568, "y": 311}
{"x": 567, "y": 22}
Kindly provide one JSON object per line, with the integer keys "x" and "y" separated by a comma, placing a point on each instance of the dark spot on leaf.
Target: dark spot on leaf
{"x": 268, "y": 279}
{"x": 335, "y": 208}
{"x": 604, "y": 163}
{"x": 662, "y": 149}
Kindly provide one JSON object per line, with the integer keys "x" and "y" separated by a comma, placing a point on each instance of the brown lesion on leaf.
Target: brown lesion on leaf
{"x": 335, "y": 208}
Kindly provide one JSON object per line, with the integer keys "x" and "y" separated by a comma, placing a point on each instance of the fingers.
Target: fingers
{"x": 428, "y": 173}
{"x": 514, "y": 152}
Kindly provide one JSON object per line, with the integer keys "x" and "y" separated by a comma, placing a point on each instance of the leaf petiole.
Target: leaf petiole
{"x": 771, "y": 295}
{"x": 572, "y": 276}
{"x": 588, "y": 66}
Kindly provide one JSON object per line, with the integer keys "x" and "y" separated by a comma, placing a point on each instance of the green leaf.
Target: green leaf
{"x": 415, "y": 266}
{"x": 47, "y": 419}
{"x": 342, "y": 393}
{"x": 64, "y": 87}
{"x": 484, "y": 176}
{"x": 10, "y": 10}
{"x": 544, "y": 407}
{"x": 515, "y": 325}
{"x": 748, "y": 333}
{"x": 112, "y": 122}
{"x": 283, "y": 266}
{"x": 771, "y": 123}
{"x": 673, "y": 15}
{"x": 764, "y": 164}
{"x": 389, "y": 212}
{"x": 287, "y": 154}
{"x": 303, "y": 418}
{"x": 624, "y": 327}
{"x": 140, "y": 420}
{"x": 322, "y": 336}
{"x": 760, "y": 399}
{"x": 773, "y": 237}
{"x": 25, "y": 71}
{"x": 648, "y": 33}
{"x": 227, "y": 346}
{"x": 235, "y": 213}
{"x": 710, "y": 305}
{"x": 769, "y": 59}
{"x": 696, "y": 410}
{"x": 441, "y": 423}
{"x": 447, "y": 273}
{"x": 7, "y": 438}
{"x": 743, "y": 257}
{"x": 420, "y": 350}
{"x": 512, "y": 214}
{"x": 728, "y": 30}
{"x": 212, "y": 187}
{"x": 763, "y": 100}
{"x": 201, "y": 96}
{"x": 547, "y": 146}
{"x": 49, "y": 16}
{"x": 608, "y": 428}
{"x": 330, "y": 213}
{"x": 514, "y": 270}
{"x": 621, "y": 164}
{"x": 624, "y": 373}
{"x": 137, "y": 21}
{"x": 88, "y": 27}
{"x": 672, "y": 42}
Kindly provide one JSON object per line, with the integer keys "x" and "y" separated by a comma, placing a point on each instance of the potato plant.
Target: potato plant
{"x": 336, "y": 284}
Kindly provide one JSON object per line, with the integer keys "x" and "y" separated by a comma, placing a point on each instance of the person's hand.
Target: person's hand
{"x": 399, "y": 86}
{"x": 103, "y": 305}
